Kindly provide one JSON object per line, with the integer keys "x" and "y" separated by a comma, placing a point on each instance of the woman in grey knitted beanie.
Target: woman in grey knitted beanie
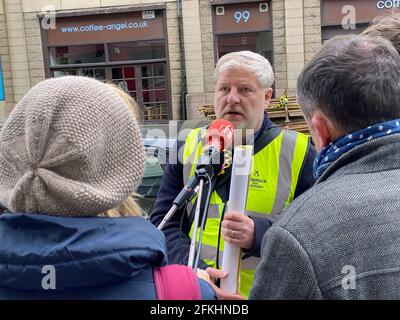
{"x": 70, "y": 157}
{"x": 70, "y": 147}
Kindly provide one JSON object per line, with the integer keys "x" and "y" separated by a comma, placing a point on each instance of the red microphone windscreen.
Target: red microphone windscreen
{"x": 220, "y": 134}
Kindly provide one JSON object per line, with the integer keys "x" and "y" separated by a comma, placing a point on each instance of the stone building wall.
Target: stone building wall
{"x": 296, "y": 37}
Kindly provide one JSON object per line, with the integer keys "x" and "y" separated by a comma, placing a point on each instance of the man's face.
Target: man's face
{"x": 240, "y": 99}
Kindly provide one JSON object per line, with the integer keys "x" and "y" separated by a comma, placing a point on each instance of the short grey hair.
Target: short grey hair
{"x": 354, "y": 81}
{"x": 250, "y": 61}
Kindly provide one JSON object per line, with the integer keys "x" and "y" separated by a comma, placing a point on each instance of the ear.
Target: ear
{"x": 268, "y": 95}
{"x": 322, "y": 130}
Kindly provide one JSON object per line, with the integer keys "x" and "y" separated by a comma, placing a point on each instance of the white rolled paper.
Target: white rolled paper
{"x": 241, "y": 170}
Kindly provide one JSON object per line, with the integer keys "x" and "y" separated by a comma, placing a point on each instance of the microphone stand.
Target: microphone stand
{"x": 187, "y": 194}
{"x": 204, "y": 172}
{"x": 205, "y": 166}
{"x": 192, "y": 249}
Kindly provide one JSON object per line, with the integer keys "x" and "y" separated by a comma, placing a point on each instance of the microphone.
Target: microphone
{"x": 219, "y": 136}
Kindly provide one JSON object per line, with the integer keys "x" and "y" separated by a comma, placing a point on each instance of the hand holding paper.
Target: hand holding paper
{"x": 238, "y": 229}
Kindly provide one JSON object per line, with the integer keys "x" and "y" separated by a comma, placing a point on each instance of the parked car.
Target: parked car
{"x": 159, "y": 140}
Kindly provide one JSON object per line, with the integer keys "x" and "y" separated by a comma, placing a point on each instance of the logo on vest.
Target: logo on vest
{"x": 257, "y": 182}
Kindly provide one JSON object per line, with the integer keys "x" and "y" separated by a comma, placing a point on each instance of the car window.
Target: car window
{"x": 159, "y": 140}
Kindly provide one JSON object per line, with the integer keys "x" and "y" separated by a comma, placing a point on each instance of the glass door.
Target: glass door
{"x": 154, "y": 91}
{"x": 126, "y": 78}
{"x": 146, "y": 83}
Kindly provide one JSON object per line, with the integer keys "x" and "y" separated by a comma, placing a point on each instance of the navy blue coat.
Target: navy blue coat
{"x": 94, "y": 258}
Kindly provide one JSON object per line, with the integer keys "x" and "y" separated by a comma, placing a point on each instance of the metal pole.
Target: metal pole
{"x": 192, "y": 251}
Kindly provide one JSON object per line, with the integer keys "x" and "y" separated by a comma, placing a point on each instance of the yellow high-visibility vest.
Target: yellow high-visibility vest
{"x": 275, "y": 173}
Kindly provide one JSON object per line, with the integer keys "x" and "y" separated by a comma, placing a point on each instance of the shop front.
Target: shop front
{"x": 242, "y": 26}
{"x": 126, "y": 48}
{"x": 341, "y": 17}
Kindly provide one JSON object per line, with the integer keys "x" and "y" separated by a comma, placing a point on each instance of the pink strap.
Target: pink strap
{"x": 176, "y": 282}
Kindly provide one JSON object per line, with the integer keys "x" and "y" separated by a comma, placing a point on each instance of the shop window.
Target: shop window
{"x": 154, "y": 92}
{"x": 155, "y": 111}
{"x": 260, "y": 42}
{"x": 153, "y": 70}
{"x": 146, "y": 83}
{"x": 61, "y": 73}
{"x": 123, "y": 73}
{"x": 96, "y": 73}
{"x": 77, "y": 54}
{"x": 117, "y": 73}
{"x": 125, "y": 78}
{"x": 161, "y": 95}
{"x": 160, "y": 83}
{"x": 139, "y": 50}
{"x": 329, "y": 32}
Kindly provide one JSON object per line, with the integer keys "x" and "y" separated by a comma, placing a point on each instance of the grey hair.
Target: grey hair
{"x": 354, "y": 81}
{"x": 250, "y": 61}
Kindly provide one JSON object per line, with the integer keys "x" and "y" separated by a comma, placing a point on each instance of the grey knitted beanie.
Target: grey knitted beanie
{"x": 70, "y": 147}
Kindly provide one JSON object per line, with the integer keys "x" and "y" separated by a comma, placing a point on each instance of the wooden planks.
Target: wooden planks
{"x": 288, "y": 117}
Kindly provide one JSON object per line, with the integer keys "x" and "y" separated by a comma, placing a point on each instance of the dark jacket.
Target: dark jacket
{"x": 94, "y": 258}
{"x": 341, "y": 238}
{"x": 178, "y": 243}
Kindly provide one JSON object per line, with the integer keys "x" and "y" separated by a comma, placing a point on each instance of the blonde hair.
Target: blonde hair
{"x": 387, "y": 27}
{"x": 130, "y": 206}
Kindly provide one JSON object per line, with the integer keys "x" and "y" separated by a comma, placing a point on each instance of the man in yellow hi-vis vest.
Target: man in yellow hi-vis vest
{"x": 282, "y": 170}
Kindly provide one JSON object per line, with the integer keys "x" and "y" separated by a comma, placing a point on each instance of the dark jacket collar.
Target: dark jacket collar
{"x": 266, "y": 125}
{"x": 373, "y": 156}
